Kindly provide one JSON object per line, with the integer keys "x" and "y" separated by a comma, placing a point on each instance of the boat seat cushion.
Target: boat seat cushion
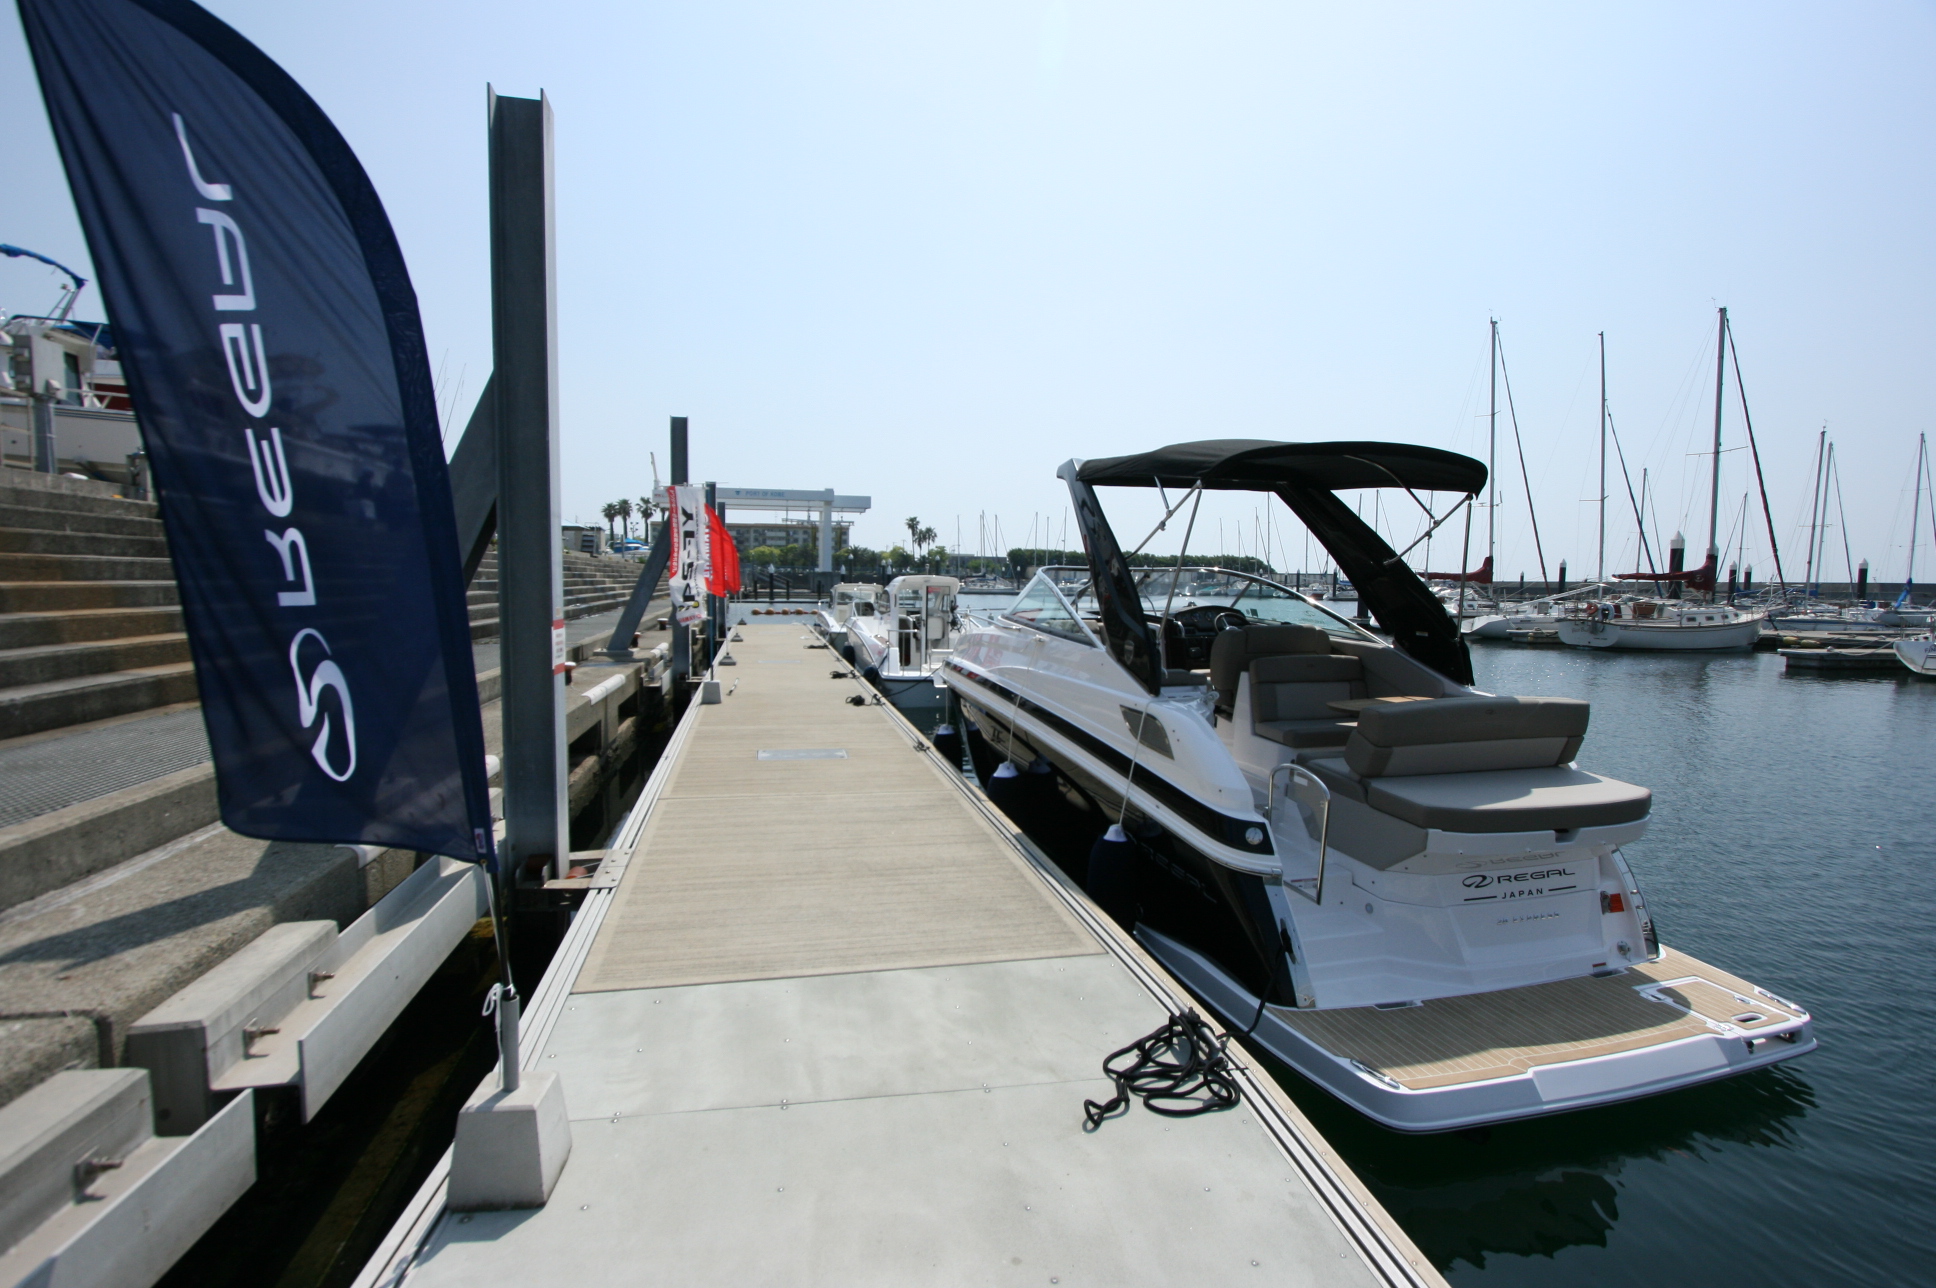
{"x": 1466, "y": 735}
{"x": 1233, "y": 651}
{"x": 1302, "y": 735}
{"x": 1301, "y": 686}
{"x": 1558, "y": 798}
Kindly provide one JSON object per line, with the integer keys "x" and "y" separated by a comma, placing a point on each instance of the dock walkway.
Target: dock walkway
{"x": 827, "y": 1019}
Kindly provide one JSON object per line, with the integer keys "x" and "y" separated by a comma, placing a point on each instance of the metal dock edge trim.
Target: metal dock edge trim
{"x": 1387, "y": 1250}
{"x": 398, "y": 1251}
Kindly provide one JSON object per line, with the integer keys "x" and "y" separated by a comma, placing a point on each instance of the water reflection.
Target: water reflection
{"x": 1537, "y": 1187}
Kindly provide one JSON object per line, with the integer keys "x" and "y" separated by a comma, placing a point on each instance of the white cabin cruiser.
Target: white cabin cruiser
{"x": 896, "y": 635}
{"x": 1404, "y": 888}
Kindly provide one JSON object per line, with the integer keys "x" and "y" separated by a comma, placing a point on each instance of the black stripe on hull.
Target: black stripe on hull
{"x": 1214, "y": 824}
{"x": 1220, "y": 912}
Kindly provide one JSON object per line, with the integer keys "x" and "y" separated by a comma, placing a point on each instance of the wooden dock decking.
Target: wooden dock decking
{"x": 828, "y": 1020}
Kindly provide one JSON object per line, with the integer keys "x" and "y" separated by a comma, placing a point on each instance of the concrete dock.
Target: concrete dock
{"x": 825, "y": 1017}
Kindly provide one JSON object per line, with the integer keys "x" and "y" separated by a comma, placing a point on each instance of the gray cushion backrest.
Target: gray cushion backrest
{"x": 1299, "y": 686}
{"x": 1466, "y": 735}
{"x": 1391, "y": 673}
{"x": 1232, "y": 652}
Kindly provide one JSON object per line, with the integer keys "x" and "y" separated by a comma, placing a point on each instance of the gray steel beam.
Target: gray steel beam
{"x": 681, "y": 635}
{"x": 473, "y": 482}
{"x": 620, "y": 646}
{"x": 531, "y": 593}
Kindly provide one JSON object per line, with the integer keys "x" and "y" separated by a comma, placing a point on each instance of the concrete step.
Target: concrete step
{"x": 40, "y": 541}
{"x": 28, "y": 567}
{"x": 41, "y": 663}
{"x": 46, "y": 520}
{"x": 88, "y": 502}
{"x": 81, "y": 596}
{"x": 54, "y": 704}
{"x": 26, "y": 630}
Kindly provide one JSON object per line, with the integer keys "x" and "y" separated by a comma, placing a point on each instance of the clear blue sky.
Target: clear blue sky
{"x": 927, "y": 252}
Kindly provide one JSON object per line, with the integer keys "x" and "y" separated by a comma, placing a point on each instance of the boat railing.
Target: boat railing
{"x": 1312, "y": 798}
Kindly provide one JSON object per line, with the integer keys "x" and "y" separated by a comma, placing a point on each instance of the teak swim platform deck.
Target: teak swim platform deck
{"x": 826, "y": 1018}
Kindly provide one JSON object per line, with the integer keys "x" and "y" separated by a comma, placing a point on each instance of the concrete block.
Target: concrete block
{"x": 708, "y": 693}
{"x": 60, "y": 848}
{"x": 189, "y": 1041}
{"x": 35, "y": 1049}
{"x": 100, "y": 1114}
{"x": 510, "y": 1147}
{"x": 121, "y": 1226}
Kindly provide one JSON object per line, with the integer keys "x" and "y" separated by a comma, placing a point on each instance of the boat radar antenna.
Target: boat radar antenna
{"x": 71, "y": 293}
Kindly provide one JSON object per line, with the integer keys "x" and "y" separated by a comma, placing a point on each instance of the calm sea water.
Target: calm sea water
{"x": 1794, "y": 842}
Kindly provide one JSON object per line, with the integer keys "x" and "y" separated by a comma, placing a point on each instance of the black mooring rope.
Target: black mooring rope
{"x": 1179, "y": 1070}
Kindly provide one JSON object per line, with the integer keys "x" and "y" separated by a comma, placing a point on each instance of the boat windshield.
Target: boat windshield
{"x": 1260, "y": 600}
{"x": 1042, "y": 606}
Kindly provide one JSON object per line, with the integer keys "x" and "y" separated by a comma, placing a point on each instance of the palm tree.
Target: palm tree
{"x": 924, "y": 538}
{"x": 624, "y": 505}
{"x": 610, "y": 511}
{"x": 913, "y": 525}
{"x": 646, "y": 509}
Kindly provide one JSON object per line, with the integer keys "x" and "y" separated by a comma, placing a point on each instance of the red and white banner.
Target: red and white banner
{"x": 692, "y": 563}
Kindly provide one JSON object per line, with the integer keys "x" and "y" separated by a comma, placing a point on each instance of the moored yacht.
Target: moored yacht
{"x": 1403, "y": 887}
{"x": 1663, "y": 625}
{"x": 897, "y": 635}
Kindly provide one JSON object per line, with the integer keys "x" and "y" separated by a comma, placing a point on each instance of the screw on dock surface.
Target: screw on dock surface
{"x": 317, "y": 977}
{"x": 252, "y": 1032}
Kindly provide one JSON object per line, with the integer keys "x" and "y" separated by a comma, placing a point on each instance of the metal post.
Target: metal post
{"x": 530, "y": 559}
{"x": 827, "y": 532}
{"x": 681, "y": 635}
{"x": 45, "y": 460}
{"x": 714, "y": 604}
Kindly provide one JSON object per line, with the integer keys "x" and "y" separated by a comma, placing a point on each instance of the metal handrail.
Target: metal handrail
{"x": 1324, "y": 821}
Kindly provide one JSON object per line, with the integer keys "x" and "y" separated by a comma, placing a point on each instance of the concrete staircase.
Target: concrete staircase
{"x": 90, "y": 625}
{"x": 89, "y": 622}
{"x": 593, "y": 584}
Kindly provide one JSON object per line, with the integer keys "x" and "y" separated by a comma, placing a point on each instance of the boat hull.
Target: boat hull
{"x": 1661, "y": 637}
{"x": 1918, "y": 655}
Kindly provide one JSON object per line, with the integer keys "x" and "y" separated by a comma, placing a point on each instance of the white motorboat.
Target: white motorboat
{"x": 1918, "y": 653}
{"x": 896, "y": 635}
{"x": 1665, "y": 625}
{"x": 1403, "y": 887}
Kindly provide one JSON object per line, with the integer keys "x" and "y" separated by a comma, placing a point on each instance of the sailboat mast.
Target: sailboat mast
{"x": 1602, "y": 575}
{"x": 1492, "y": 443}
{"x": 1714, "y": 483}
{"x": 1814, "y": 504}
{"x": 1915, "y": 514}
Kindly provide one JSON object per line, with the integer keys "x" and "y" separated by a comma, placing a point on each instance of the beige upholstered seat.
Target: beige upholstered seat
{"x": 1479, "y": 764}
{"x": 1466, "y": 735}
{"x": 1290, "y": 697}
{"x": 1233, "y": 651}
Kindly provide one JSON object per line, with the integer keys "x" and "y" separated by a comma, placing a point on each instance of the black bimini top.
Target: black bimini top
{"x": 1257, "y": 465}
{"x": 1306, "y": 477}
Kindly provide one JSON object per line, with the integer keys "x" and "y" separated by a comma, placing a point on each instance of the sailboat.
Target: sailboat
{"x": 1403, "y": 887}
{"x": 1672, "y": 625}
